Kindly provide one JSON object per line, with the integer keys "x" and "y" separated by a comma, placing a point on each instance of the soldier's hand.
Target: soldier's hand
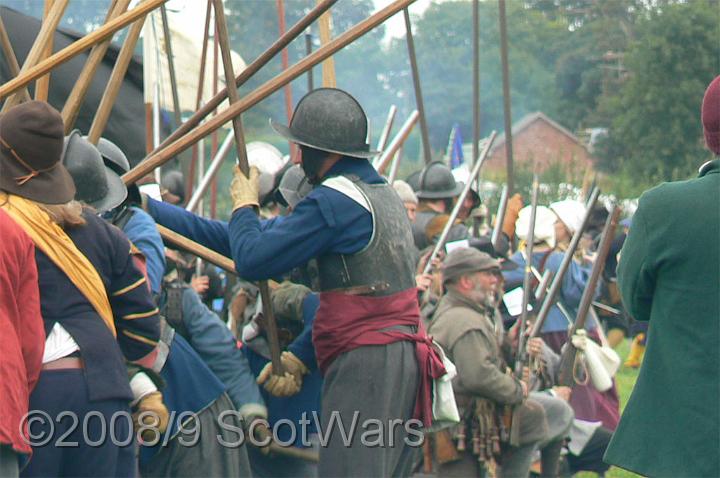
{"x": 151, "y": 416}
{"x": 200, "y": 284}
{"x": 423, "y": 282}
{"x": 245, "y": 190}
{"x": 525, "y": 390}
{"x": 535, "y": 347}
{"x": 563, "y": 392}
{"x": 294, "y": 365}
{"x": 276, "y": 385}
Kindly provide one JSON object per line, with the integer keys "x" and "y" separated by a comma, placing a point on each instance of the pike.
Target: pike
{"x": 527, "y": 280}
{"x": 178, "y": 240}
{"x": 234, "y": 97}
{"x": 427, "y": 152}
{"x": 569, "y": 353}
{"x": 507, "y": 105}
{"x": 499, "y": 218}
{"x": 12, "y": 62}
{"x": 458, "y": 204}
{"x": 564, "y": 265}
{"x": 246, "y": 74}
{"x": 262, "y": 92}
{"x": 382, "y": 142}
{"x": 77, "y": 47}
{"x": 397, "y": 142}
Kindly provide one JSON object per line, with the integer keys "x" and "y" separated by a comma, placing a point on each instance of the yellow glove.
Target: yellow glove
{"x": 512, "y": 212}
{"x": 155, "y": 421}
{"x": 278, "y": 386}
{"x": 294, "y": 365}
{"x": 244, "y": 190}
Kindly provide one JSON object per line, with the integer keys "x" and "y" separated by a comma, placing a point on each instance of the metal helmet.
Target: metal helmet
{"x": 330, "y": 120}
{"x": 294, "y": 186}
{"x": 436, "y": 181}
{"x": 174, "y": 182}
{"x": 413, "y": 180}
{"x": 96, "y": 184}
{"x": 113, "y": 156}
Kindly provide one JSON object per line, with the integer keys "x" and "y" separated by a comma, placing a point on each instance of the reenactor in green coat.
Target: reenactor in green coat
{"x": 669, "y": 275}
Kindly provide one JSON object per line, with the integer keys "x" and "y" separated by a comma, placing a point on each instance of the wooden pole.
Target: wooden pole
{"x": 160, "y": 157}
{"x": 116, "y": 78}
{"x": 11, "y": 59}
{"x": 72, "y": 106}
{"x": 47, "y": 30}
{"x": 196, "y": 249}
{"x": 285, "y": 60}
{"x": 427, "y": 152}
{"x": 328, "y": 66}
{"x": 382, "y": 142}
{"x": 248, "y": 72}
{"x": 506, "y": 95}
{"x": 476, "y": 82}
{"x": 42, "y": 86}
{"x": 308, "y": 51}
{"x": 198, "y": 98}
{"x": 77, "y": 47}
{"x": 397, "y": 142}
{"x": 234, "y": 98}
{"x": 171, "y": 65}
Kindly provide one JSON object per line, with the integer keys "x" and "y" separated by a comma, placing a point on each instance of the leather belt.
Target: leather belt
{"x": 64, "y": 363}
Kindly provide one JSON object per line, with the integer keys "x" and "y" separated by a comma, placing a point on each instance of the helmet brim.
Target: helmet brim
{"x": 285, "y": 132}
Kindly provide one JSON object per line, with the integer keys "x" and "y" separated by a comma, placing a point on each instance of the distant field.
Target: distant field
{"x": 625, "y": 379}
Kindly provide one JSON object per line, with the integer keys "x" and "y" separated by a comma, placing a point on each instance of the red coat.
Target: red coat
{"x": 22, "y": 335}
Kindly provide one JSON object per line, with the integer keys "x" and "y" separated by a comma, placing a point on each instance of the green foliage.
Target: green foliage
{"x": 655, "y": 130}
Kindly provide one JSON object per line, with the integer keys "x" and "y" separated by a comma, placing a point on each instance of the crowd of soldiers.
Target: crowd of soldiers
{"x": 123, "y": 357}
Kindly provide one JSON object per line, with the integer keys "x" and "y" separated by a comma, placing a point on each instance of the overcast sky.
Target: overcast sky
{"x": 396, "y": 25}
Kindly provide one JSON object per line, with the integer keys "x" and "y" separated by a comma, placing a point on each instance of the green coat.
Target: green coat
{"x": 669, "y": 274}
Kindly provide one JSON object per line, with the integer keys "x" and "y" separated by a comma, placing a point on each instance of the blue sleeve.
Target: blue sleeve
{"x": 141, "y": 230}
{"x": 514, "y": 278}
{"x": 302, "y": 346}
{"x": 208, "y": 232}
{"x": 215, "y": 344}
{"x": 325, "y": 221}
{"x": 574, "y": 282}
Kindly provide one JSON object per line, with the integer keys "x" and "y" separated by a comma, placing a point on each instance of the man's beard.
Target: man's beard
{"x": 483, "y": 297}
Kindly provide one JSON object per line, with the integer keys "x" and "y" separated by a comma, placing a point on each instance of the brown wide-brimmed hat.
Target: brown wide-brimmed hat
{"x": 31, "y": 146}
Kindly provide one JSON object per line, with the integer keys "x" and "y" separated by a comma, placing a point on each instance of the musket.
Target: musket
{"x": 520, "y": 356}
{"x": 499, "y": 217}
{"x": 564, "y": 265}
{"x": 458, "y": 204}
{"x": 569, "y": 353}
{"x": 382, "y": 142}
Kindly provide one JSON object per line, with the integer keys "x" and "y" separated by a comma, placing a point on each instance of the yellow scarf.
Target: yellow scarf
{"x": 53, "y": 241}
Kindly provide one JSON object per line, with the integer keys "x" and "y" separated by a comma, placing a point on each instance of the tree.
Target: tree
{"x": 655, "y": 131}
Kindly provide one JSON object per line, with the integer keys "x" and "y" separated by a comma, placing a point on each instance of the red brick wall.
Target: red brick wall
{"x": 544, "y": 144}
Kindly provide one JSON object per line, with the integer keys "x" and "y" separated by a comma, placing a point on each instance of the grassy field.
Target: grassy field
{"x": 625, "y": 380}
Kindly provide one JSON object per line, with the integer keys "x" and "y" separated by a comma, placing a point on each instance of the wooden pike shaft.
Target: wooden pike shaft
{"x": 506, "y": 96}
{"x": 397, "y": 142}
{"x": 328, "y": 66}
{"x": 116, "y": 78}
{"x": 71, "y": 109}
{"x": 234, "y": 97}
{"x": 427, "y": 152}
{"x": 247, "y": 73}
{"x": 42, "y": 85}
{"x": 476, "y": 82}
{"x": 382, "y": 141}
{"x": 171, "y": 65}
{"x": 265, "y": 90}
{"x": 11, "y": 58}
{"x": 79, "y": 46}
{"x": 177, "y": 240}
{"x": 47, "y": 30}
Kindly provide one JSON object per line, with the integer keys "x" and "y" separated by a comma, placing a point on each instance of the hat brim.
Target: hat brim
{"x": 442, "y": 194}
{"x": 285, "y": 132}
{"x": 117, "y": 193}
{"x": 49, "y": 187}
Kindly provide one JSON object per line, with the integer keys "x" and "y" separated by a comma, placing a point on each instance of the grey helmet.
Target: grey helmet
{"x": 174, "y": 182}
{"x": 330, "y": 120}
{"x": 96, "y": 184}
{"x": 436, "y": 181}
{"x": 113, "y": 156}
{"x": 294, "y": 186}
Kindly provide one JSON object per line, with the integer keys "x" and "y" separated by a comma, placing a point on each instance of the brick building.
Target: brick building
{"x": 537, "y": 138}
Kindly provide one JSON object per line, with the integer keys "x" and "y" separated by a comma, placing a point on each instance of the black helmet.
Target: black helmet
{"x": 436, "y": 181}
{"x": 413, "y": 180}
{"x": 330, "y": 120}
{"x": 95, "y": 184}
{"x": 113, "y": 156}
{"x": 174, "y": 182}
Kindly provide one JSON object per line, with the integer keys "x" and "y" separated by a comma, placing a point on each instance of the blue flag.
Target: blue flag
{"x": 456, "y": 152}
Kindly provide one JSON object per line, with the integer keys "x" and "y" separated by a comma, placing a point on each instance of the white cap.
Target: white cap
{"x": 405, "y": 191}
{"x": 571, "y": 212}
{"x": 544, "y": 224}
